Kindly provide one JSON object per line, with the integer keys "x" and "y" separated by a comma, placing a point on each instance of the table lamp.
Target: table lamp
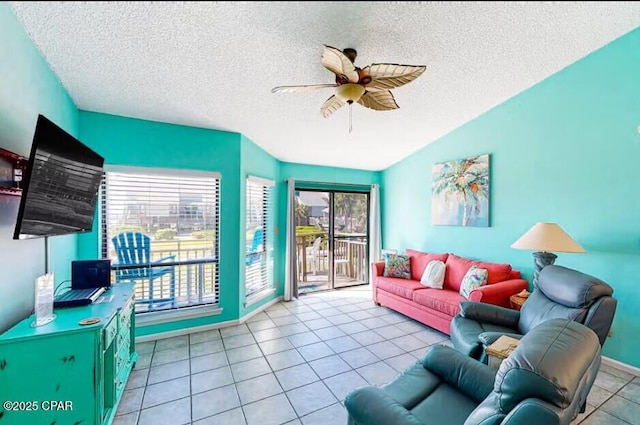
{"x": 544, "y": 238}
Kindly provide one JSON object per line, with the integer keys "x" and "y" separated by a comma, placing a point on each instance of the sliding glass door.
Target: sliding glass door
{"x": 350, "y": 238}
{"x": 331, "y": 238}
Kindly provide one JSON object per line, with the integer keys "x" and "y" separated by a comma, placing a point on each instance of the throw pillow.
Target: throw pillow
{"x": 474, "y": 278}
{"x": 396, "y": 265}
{"x": 433, "y": 276}
{"x": 419, "y": 261}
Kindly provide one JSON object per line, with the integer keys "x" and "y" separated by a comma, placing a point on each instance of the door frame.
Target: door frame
{"x": 331, "y": 234}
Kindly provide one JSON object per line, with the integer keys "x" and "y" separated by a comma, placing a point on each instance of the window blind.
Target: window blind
{"x": 180, "y": 215}
{"x": 260, "y": 221}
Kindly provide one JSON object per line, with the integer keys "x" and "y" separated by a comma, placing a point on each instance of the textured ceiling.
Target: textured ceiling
{"x": 212, "y": 64}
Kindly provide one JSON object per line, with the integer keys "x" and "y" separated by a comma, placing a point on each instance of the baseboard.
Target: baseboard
{"x": 621, "y": 366}
{"x": 186, "y": 331}
{"x": 260, "y": 309}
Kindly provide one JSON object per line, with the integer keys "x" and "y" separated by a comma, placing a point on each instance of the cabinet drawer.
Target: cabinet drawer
{"x": 124, "y": 325}
{"x": 125, "y": 313}
{"x": 122, "y": 339}
{"x": 110, "y": 332}
{"x": 120, "y": 383}
{"x": 123, "y": 358}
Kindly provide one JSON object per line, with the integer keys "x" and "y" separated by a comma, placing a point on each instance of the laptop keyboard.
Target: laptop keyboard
{"x": 76, "y": 294}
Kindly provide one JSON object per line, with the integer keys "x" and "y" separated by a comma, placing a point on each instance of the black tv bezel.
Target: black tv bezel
{"x": 41, "y": 123}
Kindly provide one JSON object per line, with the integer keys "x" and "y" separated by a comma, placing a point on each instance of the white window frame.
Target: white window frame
{"x": 259, "y": 197}
{"x": 180, "y": 312}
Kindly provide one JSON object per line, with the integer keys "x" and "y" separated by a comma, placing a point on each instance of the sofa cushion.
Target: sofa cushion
{"x": 419, "y": 261}
{"x": 442, "y": 300}
{"x": 515, "y": 274}
{"x": 401, "y": 287}
{"x": 457, "y": 267}
{"x": 397, "y": 266}
{"x": 497, "y": 272}
{"x": 474, "y": 278}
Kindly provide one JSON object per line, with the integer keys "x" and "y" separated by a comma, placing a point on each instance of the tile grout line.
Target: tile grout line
{"x": 146, "y": 382}
{"x": 298, "y": 417}
{"x": 295, "y": 349}
{"x": 235, "y": 387}
{"x": 612, "y": 395}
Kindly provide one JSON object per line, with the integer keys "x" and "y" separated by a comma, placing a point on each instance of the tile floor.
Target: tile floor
{"x": 295, "y": 363}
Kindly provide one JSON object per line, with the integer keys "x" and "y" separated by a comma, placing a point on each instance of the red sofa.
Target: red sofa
{"x": 437, "y": 307}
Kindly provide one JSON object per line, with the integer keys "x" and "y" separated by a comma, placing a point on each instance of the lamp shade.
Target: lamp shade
{"x": 547, "y": 237}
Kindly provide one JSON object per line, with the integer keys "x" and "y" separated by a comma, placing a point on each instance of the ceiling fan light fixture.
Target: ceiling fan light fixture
{"x": 350, "y": 92}
{"x": 369, "y": 86}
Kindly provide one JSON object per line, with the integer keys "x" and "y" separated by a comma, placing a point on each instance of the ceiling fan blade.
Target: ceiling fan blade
{"x": 331, "y": 105}
{"x": 335, "y": 61}
{"x": 387, "y": 76}
{"x": 300, "y": 89}
{"x": 379, "y": 100}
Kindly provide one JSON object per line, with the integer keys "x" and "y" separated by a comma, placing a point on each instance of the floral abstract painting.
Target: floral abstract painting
{"x": 460, "y": 192}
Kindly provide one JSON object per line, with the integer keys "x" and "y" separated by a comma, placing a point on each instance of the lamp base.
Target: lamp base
{"x": 541, "y": 260}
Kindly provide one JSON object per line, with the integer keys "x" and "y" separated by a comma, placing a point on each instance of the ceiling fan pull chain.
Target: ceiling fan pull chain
{"x": 350, "y": 117}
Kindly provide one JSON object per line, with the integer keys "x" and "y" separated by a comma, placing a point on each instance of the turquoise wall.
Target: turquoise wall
{"x": 255, "y": 162}
{"x": 564, "y": 151}
{"x": 333, "y": 176}
{"x": 133, "y": 142}
{"x": 28, "y": 87}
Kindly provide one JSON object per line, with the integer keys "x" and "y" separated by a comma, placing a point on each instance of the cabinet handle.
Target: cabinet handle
{"x": 70, "y": 358}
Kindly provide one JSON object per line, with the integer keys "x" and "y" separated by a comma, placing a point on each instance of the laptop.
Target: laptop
{"x": 89, "y": 280}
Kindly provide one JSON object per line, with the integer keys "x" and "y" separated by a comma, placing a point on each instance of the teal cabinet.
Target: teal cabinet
{"x": 66, "y": 373}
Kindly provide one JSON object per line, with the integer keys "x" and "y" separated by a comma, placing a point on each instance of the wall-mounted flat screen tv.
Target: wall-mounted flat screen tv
{"x": 60, "y": 185}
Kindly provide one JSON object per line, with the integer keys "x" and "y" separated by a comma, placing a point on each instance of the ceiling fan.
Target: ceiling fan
{"x": 369, "y": 86}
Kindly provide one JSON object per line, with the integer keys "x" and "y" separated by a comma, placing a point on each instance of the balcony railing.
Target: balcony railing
{"x": 350, "y": 259}
{"x": 193, "y": 271}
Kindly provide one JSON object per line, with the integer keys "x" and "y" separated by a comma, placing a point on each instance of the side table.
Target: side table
{"x": 517, "y": 300}
{"x": 500, "y": 350}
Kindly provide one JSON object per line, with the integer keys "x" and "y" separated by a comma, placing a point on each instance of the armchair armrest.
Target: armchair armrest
{"x": 488, "y": 338}
{"x": 470, "y": 376}
{"x": 489, "y": 313}
{"x": 498, "y": 293}
{"x": 372, "y": 406}
{"x": 535, "y": 411}
{"x": 377, "y": 268}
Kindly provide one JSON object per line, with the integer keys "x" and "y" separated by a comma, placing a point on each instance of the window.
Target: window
{"x": 160, "y": 229}
{"x": 259, "y": 236}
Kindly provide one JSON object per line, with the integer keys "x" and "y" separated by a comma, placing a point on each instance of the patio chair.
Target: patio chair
{"x": 314, "y": 253}
{"x": 256, "y": 248}
{"x": 134, "y": 249}
{"x": 341, "y": 258}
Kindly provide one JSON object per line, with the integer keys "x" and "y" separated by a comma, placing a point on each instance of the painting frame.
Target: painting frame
{"x": 460, "y": 192}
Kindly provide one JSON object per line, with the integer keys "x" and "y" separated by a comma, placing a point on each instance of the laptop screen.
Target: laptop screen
{"x": 87, "y": 274}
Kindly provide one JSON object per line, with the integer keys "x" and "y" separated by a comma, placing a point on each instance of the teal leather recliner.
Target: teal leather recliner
{"x": 544, "y": 381}
{"x": 561, "y": 293}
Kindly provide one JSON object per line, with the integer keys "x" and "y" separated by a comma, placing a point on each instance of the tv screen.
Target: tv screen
{"x": 60, "y": 185}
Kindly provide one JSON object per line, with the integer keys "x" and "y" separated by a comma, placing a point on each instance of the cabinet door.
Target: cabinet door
{"x": 55, "y": 377}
